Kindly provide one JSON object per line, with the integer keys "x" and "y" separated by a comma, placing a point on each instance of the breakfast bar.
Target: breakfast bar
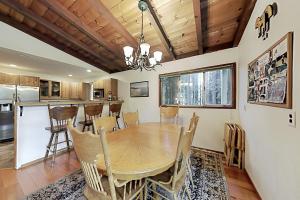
{"x": 31, "y": 119}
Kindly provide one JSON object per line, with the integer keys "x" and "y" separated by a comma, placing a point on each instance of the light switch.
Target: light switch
{"x": 292, "y": 119}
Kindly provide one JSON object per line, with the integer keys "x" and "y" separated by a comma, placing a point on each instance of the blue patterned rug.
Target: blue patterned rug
{"x": 207, "y": 170}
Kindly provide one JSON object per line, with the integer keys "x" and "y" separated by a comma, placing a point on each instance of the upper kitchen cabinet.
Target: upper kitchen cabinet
{"x": 8, "y": 79}
{"x": 99, "y": 84}
{"x": 29, "y": 81}
{"x": 65, "y": 90}
{"x": 109, "y": 85}
{"x": 50, "y": 89}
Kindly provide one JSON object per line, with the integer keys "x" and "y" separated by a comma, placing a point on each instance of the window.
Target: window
{"x": 212, "y": 87}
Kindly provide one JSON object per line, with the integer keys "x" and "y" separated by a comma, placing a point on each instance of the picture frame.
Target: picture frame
{"x": 139, "y": 89}
{"x": 270, "y": 75}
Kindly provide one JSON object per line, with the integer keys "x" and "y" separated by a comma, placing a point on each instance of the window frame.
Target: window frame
{"x": 205, "y": 69}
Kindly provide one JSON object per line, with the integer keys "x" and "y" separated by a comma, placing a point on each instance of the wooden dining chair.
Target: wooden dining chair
{"x": 169, "y": 113}
{"x": 130, "y": 118}
{"x": 115, "y": 110}
{"x": 88, "y": 147}
{"x": 108, "y": 123}
{"x": 58, "y": 124}
{"x": 173, "y": 180}
{"x": 91, "y": 112}
{"x": 192, "y": 128}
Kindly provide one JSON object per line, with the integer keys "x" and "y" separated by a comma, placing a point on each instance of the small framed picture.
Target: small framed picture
{"x": 139, "y": 89}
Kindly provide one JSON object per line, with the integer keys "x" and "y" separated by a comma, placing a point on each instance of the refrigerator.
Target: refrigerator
{"x": 9, "y": 94}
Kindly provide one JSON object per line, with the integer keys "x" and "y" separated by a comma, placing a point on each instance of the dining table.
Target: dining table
{"x": 142, "y": 150}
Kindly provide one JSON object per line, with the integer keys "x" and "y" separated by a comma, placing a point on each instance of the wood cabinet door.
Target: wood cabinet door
{"x": 29, "y": 81}
{"x": 65, "y": 90}
{"x": 99, "y": 84}
{"x": 8, "y": 79}
{"x": 74, "y": 91}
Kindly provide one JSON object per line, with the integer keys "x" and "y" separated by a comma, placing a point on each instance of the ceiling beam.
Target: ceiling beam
{"x": 160, "y": 30}
{"x": 13, "y": 4}
{"x": 85, "y": 29}
{"x": 198, "y": 22}
{"x": 188, "y": 54}
{"x": 218, "y": 47}
{"x": 244, "y": 19}
{"x": 100, "y": 7}
{"x": 34, "y": 33}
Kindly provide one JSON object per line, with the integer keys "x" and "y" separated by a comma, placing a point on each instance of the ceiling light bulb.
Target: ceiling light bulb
{"x": 12, "y": 65}
{"x": 152, "y": 61}
{"x": 128, "y": 51}
{"x": 70, "y": 75}
{"x": 158, "y": 55}
{"x": 145, "y": 47}
{"x": 88, "y": 70}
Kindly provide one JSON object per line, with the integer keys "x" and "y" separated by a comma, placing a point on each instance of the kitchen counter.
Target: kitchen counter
{"x": 31, "y": 119}
{"x": 64, "y": 102}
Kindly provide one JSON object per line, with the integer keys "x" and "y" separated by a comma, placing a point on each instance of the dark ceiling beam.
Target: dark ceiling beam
{"x": 13, "y": 4}
{"x": 244, "y": 21}
{"x": 198, "y": 22}
{"x": 188, "y": 54}
{"x": 34, "y": 33}
{"x": 105, "y": 13}
{"x": 218, "y": 47}
{"x": 160, "y": 30}
{"x": 85, "y": 29}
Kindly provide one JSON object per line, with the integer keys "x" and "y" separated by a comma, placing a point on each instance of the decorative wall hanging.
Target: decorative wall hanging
{"x": 139, "y": 89}
{"x": 263, "y": 22}
{"x": 270, "y": 75}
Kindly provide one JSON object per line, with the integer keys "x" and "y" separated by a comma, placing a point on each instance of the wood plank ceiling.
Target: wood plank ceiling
{"x": 95, "y": 31}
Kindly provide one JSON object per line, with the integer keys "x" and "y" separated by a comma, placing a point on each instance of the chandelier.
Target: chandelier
{"x": 141, "y": 59}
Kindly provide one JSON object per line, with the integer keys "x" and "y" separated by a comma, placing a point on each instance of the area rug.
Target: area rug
{"x": 207, "y": 171}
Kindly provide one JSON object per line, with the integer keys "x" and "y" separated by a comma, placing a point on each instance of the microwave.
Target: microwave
{"x": 98, "y": 93}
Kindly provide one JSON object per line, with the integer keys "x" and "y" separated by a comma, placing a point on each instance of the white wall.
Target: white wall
{"x": 272, "y": 147}
{"x": 211, "y": 125}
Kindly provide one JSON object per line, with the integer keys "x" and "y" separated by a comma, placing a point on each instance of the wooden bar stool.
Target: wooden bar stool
{"x": 115, "y": 110}
{"x": 58, "y": 121}
{"x": 91, "y": 112}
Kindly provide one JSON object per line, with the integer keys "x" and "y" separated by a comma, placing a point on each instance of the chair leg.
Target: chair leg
{"x": 67, "y": 140}
{"x": 146, "y": 191}
{"x": 83, "y": 128}
{"x": 190, "y": 172}
{"x": 49, "y": 146}
{"x": 55, "y": 148}
{"x": 188, "y": 193}
{"x": 118, "y": 124}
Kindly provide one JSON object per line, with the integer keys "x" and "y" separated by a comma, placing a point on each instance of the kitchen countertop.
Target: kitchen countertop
{"x": 64, "y": 102}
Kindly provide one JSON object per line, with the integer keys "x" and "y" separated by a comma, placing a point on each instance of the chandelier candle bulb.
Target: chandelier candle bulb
{"x": 145, "y": 47}
{"x": 152, "y": 61}
{"x": 158, "y": 55}
{"x": 128, "y": 51}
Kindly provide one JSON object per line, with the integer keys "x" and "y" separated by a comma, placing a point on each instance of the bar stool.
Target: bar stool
{"x": 91, "y": 112}
{"x": 59, "y": 117}
{"x": 115, "y": 110}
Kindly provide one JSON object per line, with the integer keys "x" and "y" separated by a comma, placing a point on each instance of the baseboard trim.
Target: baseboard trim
{"x": 252, "y": 183}
{"x": 37, "y": 161}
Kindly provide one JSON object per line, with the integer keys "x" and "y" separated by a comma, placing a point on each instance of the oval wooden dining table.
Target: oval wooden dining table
{"x": 141, "y": 150}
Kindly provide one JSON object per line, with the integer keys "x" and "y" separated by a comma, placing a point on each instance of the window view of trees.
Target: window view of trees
{"x": 199, "y": 88}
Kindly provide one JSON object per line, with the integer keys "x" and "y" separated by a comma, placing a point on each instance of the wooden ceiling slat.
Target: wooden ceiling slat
{"x": 28, "y": 13}
{"x": 159, "y": 30}
{"x": 50, "y": 41}
{"x": 98, "y": 5}
{"x": 84, "y": 28}
{"x": 198, "y": 22}
{"x": 244, "y": 21}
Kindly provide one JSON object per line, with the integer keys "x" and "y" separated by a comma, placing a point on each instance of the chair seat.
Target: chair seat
{"x": 57, "y": 129}
{"x": 164, "y": 180}
{"x": 91, "y": 194}
{"x": 87, "y": 123}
